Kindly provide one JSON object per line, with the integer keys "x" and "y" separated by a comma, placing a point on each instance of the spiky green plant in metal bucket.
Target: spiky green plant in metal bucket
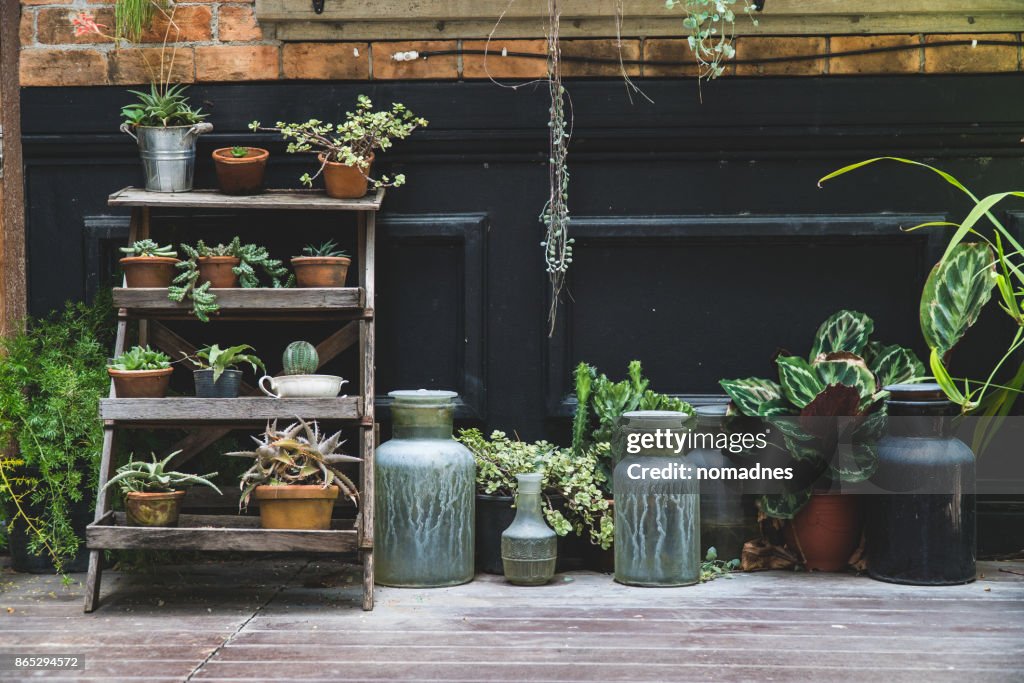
{"x": 138, "y": 476}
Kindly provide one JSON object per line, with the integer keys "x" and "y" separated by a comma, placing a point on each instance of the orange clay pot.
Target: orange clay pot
{"x": 240, "y": 175}
{"x": 148, "y": 271}
{"x": 343, "y": 181}
{"x": 153, "y": 509}
{"x": 321, "y": 271}
{"x": 217, "y": 271}
{"x": 296, "y": 507}
{"x": 141, "y": 383}
{"x": 826, "y": 531}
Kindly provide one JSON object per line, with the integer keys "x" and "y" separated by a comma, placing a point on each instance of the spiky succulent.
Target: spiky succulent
{"x": 296, "y": 455}
{"x": 328, "y": 248}
{"x": 149, "y": 248}
{"x": 138, "y": 476}
{"x": 300, "y": 358}
{"x": 141, "y": 358}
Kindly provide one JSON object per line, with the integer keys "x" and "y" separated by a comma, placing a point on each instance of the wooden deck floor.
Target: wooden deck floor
{"x": 300, "y": 619}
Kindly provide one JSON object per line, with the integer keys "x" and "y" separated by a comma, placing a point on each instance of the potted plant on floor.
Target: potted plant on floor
{"x": 152, "y": 495}
{"x": 828, "y": 409}
{"x": 240, "y": 170}
{"x": 216, "y": 374}
{"x": 148, "y": 264}
{"x": 295, "y": 478}
{"x": 321, "y": 265}
{"x": 346, "y": 151}
{"x": 141, "y": 372}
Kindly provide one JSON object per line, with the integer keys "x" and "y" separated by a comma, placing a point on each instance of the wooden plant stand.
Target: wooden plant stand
{"x": 210, "y": 419}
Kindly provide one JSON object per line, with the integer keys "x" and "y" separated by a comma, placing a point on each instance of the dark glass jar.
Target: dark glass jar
{"x": 923, "y": 533}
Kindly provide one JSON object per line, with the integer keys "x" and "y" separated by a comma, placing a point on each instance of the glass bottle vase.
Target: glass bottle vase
{"x": 529, "y": 547}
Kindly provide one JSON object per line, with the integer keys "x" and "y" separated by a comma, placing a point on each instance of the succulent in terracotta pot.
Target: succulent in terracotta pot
{"x": 141, "y": 372}
{"x": 148, "y": 264}
{"x": 240, "y": 170}
{"x": 321, "y": 265}
{"x": 152, "y": 495}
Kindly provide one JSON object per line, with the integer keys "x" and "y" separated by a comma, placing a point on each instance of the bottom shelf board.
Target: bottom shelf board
{"x": 218, "y": 532}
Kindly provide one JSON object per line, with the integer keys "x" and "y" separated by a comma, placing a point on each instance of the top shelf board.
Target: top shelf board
{"x": 300, "y": 200}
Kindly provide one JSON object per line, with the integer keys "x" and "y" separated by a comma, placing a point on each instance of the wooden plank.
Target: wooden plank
{"x": 302, "y": 200}
{"x": 13, "y": 289}
{"x": 249, "y": 301}
{"x": 236, "y": 410}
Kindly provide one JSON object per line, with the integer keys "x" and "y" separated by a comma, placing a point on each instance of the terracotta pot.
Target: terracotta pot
{"x": 343, "y": 181}
{"x": 296, "y": 507}
{"x": 826, "y": 531}
{"x": 217, "y": 271}
{"x": 148, "y": 271}
{"x": 153, "y": 509}
{"x": 141, "y": 383}
{"x": 240, "y": 175}
{"x": 321, "y": 271}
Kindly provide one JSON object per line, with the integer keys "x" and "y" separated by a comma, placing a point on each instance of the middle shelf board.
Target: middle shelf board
{"x": 187, "y": 410}
{"x": 238, "y": 302}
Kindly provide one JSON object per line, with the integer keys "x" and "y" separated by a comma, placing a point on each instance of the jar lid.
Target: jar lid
{"x": 714, "y": 410}
{"x": 924, "y": 392}
{"x": 653, "y": 419}
{"x": 529, "y": 483}
{"x": 423, "y": 395}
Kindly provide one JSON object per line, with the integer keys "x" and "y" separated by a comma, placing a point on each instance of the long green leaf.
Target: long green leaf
{"x": 752, "y": 396}
{"x": 800, "y": 383}
{"x": 954, "y": 294}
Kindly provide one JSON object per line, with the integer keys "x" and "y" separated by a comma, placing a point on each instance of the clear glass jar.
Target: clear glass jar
{"x": 657, "y": 509}
{"x": 529, "y": 547}
{"x": 424, "y": 496}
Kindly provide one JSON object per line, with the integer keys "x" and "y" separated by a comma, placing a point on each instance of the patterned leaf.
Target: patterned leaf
{"x": 853, "y": 462}
{"x": 896, "y": 364}
{"x": 957, "y": 289}
{"x": 750, "y": 394}
{"x": 785, "y": 506}
{"x": 843, "y": 331}
{"x": 846, "y": 369}
{"x": 799, "y": 381}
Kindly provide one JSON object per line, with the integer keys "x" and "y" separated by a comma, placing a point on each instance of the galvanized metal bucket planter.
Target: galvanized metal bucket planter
{"x": 168, "y": 154}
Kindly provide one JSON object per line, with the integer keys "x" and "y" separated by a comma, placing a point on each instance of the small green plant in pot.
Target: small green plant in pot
{"x": 295, "y": 476}
{"x": 141, "y": 372}
{"x": 346, "y": 151}
{"x": 300, "y": 361}
{"x": 153, "y": 495}
{"x": 240, "y": 170}
{"x": 148, "y": 264}
{"x": 322, "y": 265}
{"x": 216, "y": 373}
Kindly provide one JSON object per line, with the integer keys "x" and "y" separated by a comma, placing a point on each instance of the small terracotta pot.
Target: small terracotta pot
{"x": 148, "y": 271}
{"x": 153, "y": 509}
{"x": 141, "y": 383}
{"x": 217, "y": 271}
{"x": 296, "y": 507}
{"x": 240, "y": 175}
{"x": 321, "y": 271}
{"x": 826, "y": 531}
{"x": 343, "y": 181}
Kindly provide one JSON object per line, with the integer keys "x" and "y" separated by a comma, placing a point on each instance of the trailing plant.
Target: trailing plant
{"x": 711, "y": 27}
{"x": 251, "y": 256}
{"x": 218, "y": 359}
{"x": 141, "y": 358}
{"x": 139, "y": 476}
{"x": 149, "y": 248}
{"x": 352, "y": 142}
{"x": 296, "y": 455}
{"x": 712, "y": 567}
{"x": 161, "y": 108}
{"x": 842, "y": 377}
{"x": 51, "y": 382}
{"x": 327, "y": 249}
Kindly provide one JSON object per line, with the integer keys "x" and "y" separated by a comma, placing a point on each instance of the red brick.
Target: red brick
{"x": 604, "y": 49}
{"x": 327, "y": 61}
{"x": 236, "y": 23}
{"x": 668, "y": 50}
{"x": 132, "y": 66}
{"x": 62, "y": 67}
{"x": 193, "y": 24}
{"x": 901, "y": 62}
{"x": 237, "y": 63}
{"x": 386, "y": 68}
{"x": 767, "y": 47}
{"x": 967, "y": 59}
{"x": 494, "y": 65}
{"x": 54, "y": 27}
{"x": 26, "y": 28}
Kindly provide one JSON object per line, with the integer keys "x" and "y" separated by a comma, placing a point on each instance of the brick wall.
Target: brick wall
{"x": 224, "y": 42}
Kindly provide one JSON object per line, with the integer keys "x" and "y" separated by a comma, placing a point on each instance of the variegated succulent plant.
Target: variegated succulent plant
{"x": 296, "y": 455}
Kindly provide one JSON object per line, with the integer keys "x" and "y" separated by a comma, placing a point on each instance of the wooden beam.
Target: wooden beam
{"x": 13, "y": 289}
{"x": 189, "y": 410}
{"x": 319, "y": 300}
{"x": 299, "y": 200}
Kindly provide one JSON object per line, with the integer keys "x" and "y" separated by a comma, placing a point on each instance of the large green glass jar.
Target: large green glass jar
{"x": 424, "y": 495}
{"x": 529, "y": 547}
{"x": 657, "y": 508}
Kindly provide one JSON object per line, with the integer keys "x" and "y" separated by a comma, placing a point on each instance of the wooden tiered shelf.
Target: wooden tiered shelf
{"x": 210, "y": 419}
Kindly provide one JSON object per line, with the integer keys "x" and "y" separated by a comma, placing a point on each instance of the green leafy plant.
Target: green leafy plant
{"x": 141, "y": 358}
{"x": 51, "y": 382}
{"x": 251, "y": 256}
{"x": 161, "y": 108}
{"x": 138, "y": 476}
{"x": 239, "y": 152}
{"x": 296, "y": 455}
{"x": 712, "y": 567}
{"x": 218, "y": 359}
{"x": 329, "y": 249}
{"x": 149, "y": 248}
{"x": 352, "y": 142}
{"x": 711, "y": 27}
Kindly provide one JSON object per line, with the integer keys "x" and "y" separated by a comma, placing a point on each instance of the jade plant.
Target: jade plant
{"x": 300, "y": 358}
{"x": 843, "y": 376}
{"x": 140, "y": 358}
{"x": 352, "y": 142}
{"x": 251, "y": 257}
{"x": 139, "y": 476}
{"x": 217, "y": 359}
{"x": 149, "y": 247}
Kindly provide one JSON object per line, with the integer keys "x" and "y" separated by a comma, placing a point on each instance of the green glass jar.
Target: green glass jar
{"x": 657, "y": 508}
{"x": 424, "y": 496}
{"x": 529, "y": 547}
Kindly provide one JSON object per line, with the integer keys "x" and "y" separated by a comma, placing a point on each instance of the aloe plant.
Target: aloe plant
{"x": 141, "y": 358}
{"x": 329, "y": 248}
{"x": 138, "y": 476}
{"x": 149, "y": 247}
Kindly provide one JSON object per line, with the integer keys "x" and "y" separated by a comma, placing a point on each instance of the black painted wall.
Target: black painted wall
{"x": 703, "y": 241}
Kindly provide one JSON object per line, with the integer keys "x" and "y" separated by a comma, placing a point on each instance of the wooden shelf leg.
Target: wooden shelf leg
{"x": 367, "y": 579}
{"x": 93, "y": 578}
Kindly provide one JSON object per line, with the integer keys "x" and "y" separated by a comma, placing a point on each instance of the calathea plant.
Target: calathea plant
{"x": 834, "y": 395}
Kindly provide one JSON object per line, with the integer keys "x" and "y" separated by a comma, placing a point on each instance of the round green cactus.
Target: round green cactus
{"x": 300, "y": 358}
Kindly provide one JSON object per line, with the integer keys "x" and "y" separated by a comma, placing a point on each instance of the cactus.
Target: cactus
{"x": 300, "y": 358}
